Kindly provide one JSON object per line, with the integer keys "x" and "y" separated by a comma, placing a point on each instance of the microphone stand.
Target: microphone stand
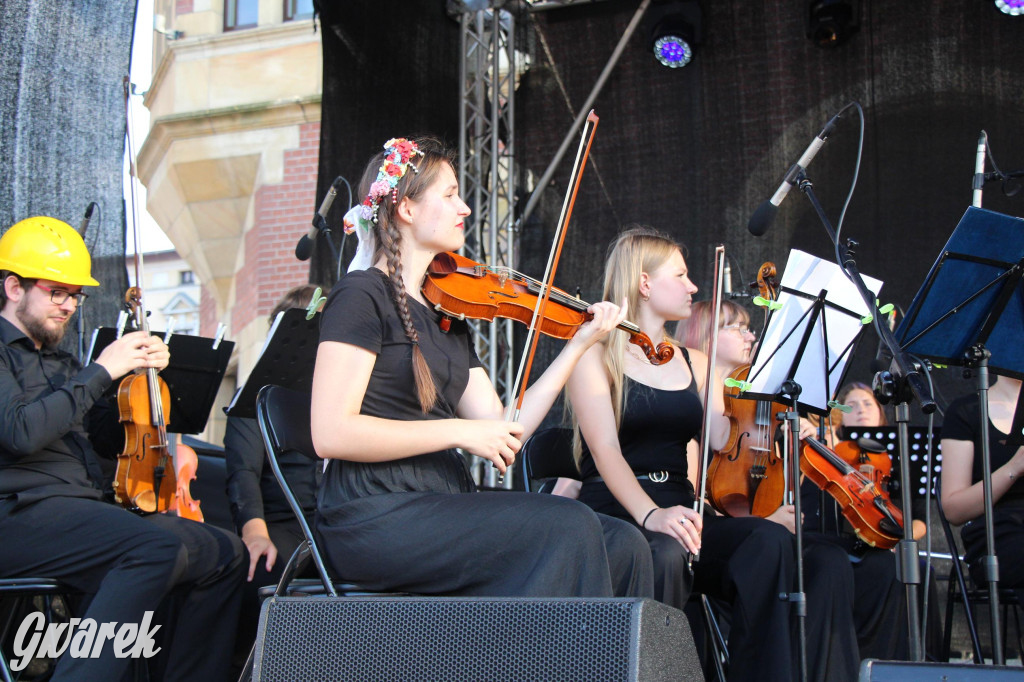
{"x": 324, "y": 230}
{"x": 901, "y": 384}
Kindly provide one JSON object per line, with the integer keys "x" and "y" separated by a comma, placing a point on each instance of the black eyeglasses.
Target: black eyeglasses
{"x": 59, "y": 296}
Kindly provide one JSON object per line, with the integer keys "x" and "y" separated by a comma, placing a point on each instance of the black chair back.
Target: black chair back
{"x": 284, "y": 419}
{"x": 546, "y": 455}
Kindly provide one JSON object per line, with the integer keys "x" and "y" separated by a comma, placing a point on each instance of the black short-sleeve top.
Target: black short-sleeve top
{"x": 962, "y": 422}
{"x": 361, "y": 312}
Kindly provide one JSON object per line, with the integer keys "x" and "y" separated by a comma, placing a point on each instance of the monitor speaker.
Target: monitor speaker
{"x": 472, "y": 638}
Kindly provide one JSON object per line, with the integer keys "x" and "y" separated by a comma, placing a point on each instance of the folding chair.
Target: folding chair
{"x": 971, "y": 595}
{"x": 19, "y": 592}
{"x": 284, "y": 419}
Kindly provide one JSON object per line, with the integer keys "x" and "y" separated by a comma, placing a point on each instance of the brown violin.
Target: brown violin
{"x": 869, "y": 458}
{"x": 146, "y": 481}
{"x": 746, "y": 477}
{"x": 864, "y": 504}
{"x": 462, "y": 288}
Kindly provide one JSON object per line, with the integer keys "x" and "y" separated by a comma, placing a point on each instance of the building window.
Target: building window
{"x": 297, "y": 9}
{"x": 187, "y": 277}
{"x": 240, "y": 14}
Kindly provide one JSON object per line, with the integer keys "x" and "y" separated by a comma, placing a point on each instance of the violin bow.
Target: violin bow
{"x": 526, "y": 362}
{"x": 705, "y": 438}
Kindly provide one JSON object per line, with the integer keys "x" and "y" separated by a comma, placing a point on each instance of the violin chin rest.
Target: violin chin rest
{"x": 871, "y": 445}
{"x": 889, "y": 528}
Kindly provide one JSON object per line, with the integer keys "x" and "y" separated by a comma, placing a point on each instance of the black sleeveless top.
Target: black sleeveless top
{"x": 656, "y": 426}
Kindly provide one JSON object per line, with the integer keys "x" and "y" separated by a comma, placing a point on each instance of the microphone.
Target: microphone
{"x": 765, "y": 213}
{"x": 85, "y": 219}
{"x": 979, "y": 169}
{"x": 304, "y": 249}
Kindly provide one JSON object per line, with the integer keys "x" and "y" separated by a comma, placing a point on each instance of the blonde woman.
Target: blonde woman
{"x": 639, "y": 425}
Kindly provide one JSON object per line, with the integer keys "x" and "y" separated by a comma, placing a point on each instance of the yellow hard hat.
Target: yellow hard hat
{"x": 46, "y": 248}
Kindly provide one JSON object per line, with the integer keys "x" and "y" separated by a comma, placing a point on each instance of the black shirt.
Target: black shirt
{"x": 360, "y": 311}
{"x": 45, "y": 396}
{"x": 252, "y": 488}
{"x": 962, "y": 422}
{"x": 655, "y": 428}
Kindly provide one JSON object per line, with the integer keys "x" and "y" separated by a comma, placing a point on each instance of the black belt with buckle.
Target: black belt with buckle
{"x": 652, "y": 476}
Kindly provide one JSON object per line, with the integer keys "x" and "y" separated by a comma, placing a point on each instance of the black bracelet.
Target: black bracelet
{"x": 644, "y": 524}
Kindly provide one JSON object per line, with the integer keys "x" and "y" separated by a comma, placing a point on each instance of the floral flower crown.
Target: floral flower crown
{"x": 399, "y": 153}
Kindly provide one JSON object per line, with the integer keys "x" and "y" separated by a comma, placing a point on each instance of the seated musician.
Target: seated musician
{"x": 639, "y": 422}
{"x": 962, "y": 497}
{"x": 879, "y": 612}
{"x": 55, "y": 519}
{"x": 260, "y": 512}
{"x": 394, "y": 396}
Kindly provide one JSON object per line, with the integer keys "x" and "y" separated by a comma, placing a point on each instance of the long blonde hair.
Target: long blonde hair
{"x": 412, "y": 185}
{"x": 637, "y": 250}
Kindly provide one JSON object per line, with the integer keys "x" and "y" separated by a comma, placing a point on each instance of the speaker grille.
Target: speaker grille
{"x": 411, "y": 638}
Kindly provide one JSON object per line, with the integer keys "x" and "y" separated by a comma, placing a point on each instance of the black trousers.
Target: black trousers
{"x": 286, "y": 536}
{"x": 748, "y": 563}
{"x": 129, "y": 564}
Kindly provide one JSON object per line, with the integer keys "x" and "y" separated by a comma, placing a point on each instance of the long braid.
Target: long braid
{"x": 426, "y": 391}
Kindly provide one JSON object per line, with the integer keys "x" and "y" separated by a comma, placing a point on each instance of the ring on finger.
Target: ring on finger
{"x": 683, "y": 520}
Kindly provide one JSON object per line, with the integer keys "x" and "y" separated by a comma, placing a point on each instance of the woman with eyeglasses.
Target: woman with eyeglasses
{"x": 879, "y": 611}
{"x": 638, "y": 425}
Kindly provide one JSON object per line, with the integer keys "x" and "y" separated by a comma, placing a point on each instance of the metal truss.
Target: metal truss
{"x": 487, "y": 174}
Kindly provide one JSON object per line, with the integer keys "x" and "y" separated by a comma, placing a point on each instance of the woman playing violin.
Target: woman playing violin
{"x": 394, "y": 396}
{"x": 879, "y": 612}
{"x": 639, "y": 425}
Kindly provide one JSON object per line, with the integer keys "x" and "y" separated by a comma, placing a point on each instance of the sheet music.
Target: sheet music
{"x": 842, "y": 321}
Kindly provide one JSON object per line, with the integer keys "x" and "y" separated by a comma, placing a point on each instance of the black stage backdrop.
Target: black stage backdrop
{"x": 62, "y": 139}
{"x": 390, "y": 70}
{"x": 693, "y": 151}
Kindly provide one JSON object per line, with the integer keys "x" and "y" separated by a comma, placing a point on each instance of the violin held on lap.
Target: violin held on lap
{"x": 146, "y": 480}
{"x": 865, "y": 505}
{"x": 462, "y": 288}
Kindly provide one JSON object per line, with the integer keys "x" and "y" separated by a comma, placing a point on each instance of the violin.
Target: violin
{"x": 870, "y": 458}
{"x": 462, "y": 288}
{"x": 146, "y": 480}
{"x": 864, "y": 504}
{"x": 747, "y": 477}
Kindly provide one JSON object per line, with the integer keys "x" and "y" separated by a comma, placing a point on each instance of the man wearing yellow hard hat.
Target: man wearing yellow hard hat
{"x": 55, "y": 519}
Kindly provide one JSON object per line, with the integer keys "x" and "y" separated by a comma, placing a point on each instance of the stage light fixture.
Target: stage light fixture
{"x": 1012, "y": 7}
{"x": 830, "y": 23}
{"x": 675, "y": 33}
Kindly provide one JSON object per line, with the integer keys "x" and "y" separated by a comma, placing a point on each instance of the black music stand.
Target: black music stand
{"x": 287, "y": 359}
{"x": 193, "y": 376}
{"x": 812, "y": 332}
{"x": 970, "y": 311}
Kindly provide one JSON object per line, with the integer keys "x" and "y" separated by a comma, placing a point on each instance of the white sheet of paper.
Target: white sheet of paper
{"x": 809, "y": 274}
